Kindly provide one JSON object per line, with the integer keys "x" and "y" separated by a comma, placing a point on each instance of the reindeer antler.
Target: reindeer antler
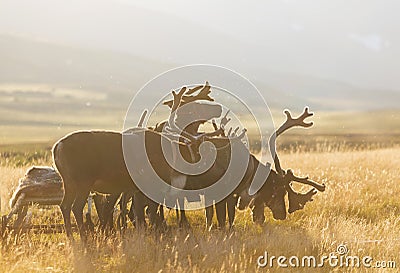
{"x": 289, "y": 123}
{"x": 221, "y": 129}
{"x": 303, "y": 180}
{"x": 204, "y": 94}
{"x": 214, "y": 123}
{"x": 242, "y": 134}
{"x": 194, "y": 89}
{"x": 177, "y": 98}
{"x": 142, "y": 117}
{"x": 225, "y": 120}
{"x": 235, "y": 131}
{"x": 297, "y": 201}
{"x": 292, "y": 122}
{"x": 233, "y": 135}
{"x": 175, "y": 105}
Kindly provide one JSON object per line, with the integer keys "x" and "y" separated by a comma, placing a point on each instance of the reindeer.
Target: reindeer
{"x": 199, "y": 112}
{"x": 89, "y": 161}
{"x": 93, "y": 161}
{"x": 278, "y": 183}
{"x": 271, "y": 191}
{"x": 189, "y": 119}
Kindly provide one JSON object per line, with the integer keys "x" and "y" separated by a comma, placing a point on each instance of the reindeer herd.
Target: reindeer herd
{"x": 93, "y": 161}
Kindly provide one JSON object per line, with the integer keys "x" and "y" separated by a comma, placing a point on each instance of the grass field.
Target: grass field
{"x": 360, "y": 208}
{"x": 49, "y": 89}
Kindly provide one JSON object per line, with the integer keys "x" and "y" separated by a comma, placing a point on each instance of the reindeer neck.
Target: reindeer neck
{"x": 193, "y": 128}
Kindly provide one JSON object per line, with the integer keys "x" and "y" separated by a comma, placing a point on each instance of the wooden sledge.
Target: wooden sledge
{"x": 40, "y": 186}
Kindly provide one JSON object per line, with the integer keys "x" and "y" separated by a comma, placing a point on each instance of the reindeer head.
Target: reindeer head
{"x": 197, "y": 108}
{"x": 272, "y": 195}
{"x": 297, "y": 200}
{"x": 198, "y": 112}
{"x": 278, "y": 183}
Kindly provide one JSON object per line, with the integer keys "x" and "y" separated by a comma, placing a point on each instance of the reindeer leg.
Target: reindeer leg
{"x": 154, "y": 216}
{"x": 123, "y": 203}
{"x": 131, "y": 213}
{"x": 162, "y": 216}
{"x": 177, "y": 216}
{"x": 122, "y": 223}
{"x": 77, "y": 209}
{"x": 19, "y": 223}
{"x": 108, "y": 211}
{"x": 231, "y": 202}
{"x": 65, "y": 206}
{"x": 209, "y": 215}
{"x": 220, "y": 209}
{"x": 138, "y": 206}
{"x": 89, "y": 222}
{"x": 99, "y": 203}
{"x": 258, "y": 212}
{"x": 183, "y": 221}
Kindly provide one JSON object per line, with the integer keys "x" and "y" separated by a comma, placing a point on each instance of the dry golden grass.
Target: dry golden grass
{"x": 361, "y": 205}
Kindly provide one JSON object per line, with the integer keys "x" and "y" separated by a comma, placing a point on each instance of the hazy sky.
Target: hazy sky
{"x": 345, "y": 40}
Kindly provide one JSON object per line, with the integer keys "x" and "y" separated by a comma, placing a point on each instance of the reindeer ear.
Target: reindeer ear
{"x": 168, "y": 103}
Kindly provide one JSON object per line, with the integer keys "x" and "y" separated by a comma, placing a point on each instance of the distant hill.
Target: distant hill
{"x": 119, "y": 75}
{"x": 48, "y": 90}
{"x": 332, "y": 95}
